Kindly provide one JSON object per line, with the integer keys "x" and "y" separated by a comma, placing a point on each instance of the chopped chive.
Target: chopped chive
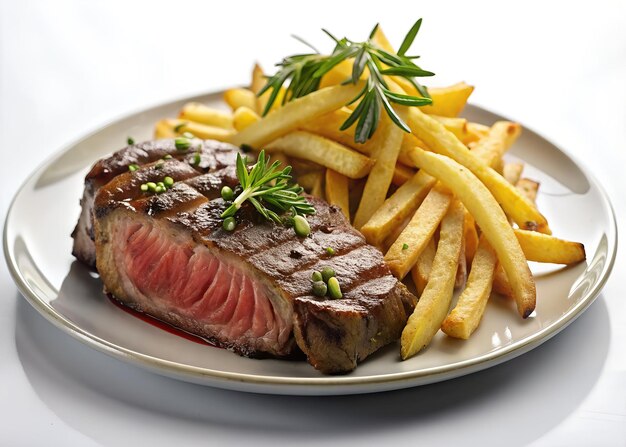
{"x": 188, "y": 135}
{"x": 129, "y": 140}
{"x": 327, "y": 273}
{"x": 179, "y": 127}
{"x": 167, "y": 157}
{"x": 159, "y": 189}
{"x": 169, "y": 181}
{"x": 182, "y": 143}
{"x": 196, "y": 159}
{"x": 151, "y": 186}
{"x": 229, "y": 224}
{"x": 133, "y": 167}
{"x": 227, "y": 193}
{"x": 144, "y": 187}
{"x": 301, "y": 226}
{"x": 319, "y": 288}
{"x": 330, "y": 251}
{"x": 405, "y": 246}
{"x": 316, "y": 276}
{"x": 334, "y": 290}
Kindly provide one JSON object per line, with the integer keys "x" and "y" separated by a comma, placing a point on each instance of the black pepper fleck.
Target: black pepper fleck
{"x": 294, "y": 254}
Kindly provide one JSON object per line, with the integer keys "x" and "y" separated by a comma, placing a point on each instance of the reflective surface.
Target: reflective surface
{"x": 69, "y": 296}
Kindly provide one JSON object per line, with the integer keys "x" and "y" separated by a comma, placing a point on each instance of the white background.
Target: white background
{"x": 68, "y": 67}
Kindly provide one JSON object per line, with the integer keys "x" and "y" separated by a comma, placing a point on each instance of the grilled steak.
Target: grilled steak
{"x": 248, "y": 290}
{"x": 213, "y": 155}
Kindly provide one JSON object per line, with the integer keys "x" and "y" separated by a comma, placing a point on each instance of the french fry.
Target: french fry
{"x": 469, "y": 309}
{"x": 204, "y": 131}
{"x": 403, "y": 254}
{"x": 355, "y": 191}
{"x": 338, "y": 74}
{"x": 491, "y": 148}
{"x": 318, "y": 187}
{"x": 501, "y": 283}
{"x": 200, "y": 113}
{"x": 163, "y": 129}
{"x": 243, "y": 117}
{"x": 327, "y": 153}
{"x": 311, "y": 180}
{"x": 471, "y": 238}
{"x": 448, "y": 101}
{"x": 440, "y": 140}
{"x": 528, "y": 188}
{"x": 257, "y": 83}
{"x": 380, "y": 39}
{"x": 280, "y": 157}
{"x": 396, "y": 208}
{"x": 301, "y": 167}
{"x": 475, "y": 131}
{"x": 434, "y": 303}
{"x": 408, "y": 143}
{"x": 294, "y": 114}
{"x": 402, "y": 174}
{"x": 388, "y": 142}
{"x": 458, "y": 126}
{"x": 461, "y": 270}
{"x": 421, "y": 270}
{"x": 491, "y": 220}
{"x": 540, "y": 247}
{"x": 240, "y": 97}
{"x": 512, "y": 172}
{"x": 328, "y": 126}
{"x": 337, "y": 191}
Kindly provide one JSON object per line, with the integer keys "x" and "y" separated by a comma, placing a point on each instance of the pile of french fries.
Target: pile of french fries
{"x": 441, "y": 202}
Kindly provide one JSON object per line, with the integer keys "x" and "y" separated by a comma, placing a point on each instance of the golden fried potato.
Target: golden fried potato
{"x": 491, "y": 148}
{"x": 448, "y": 101}
{"x": 421, "y": 270}
{"x": 320, "y": 150}
{"x": 471, "y": 237}
{"x": 388, "y": 139}
{"x": 244, "y": 117}
{"x": 240, "y": 97}
{"x": 337, "y": 191}
{"x": 402, "y": 174}
{"x": 396, "y": 208}
{"x": 540, "y": 247}
{"x": 491, "y": 220}
{"x": 512, "y": 172}
{"x": 329, "y": 125}
{"x": 294, "y": 114}
{"x": 469, "y": 309}
{"x": 176, "y": 127}
{"x": 403, "y": 254}
{"x": 434, "y": 303}
{"x": 440, "y": 140}
{"x": 202, "y": 114}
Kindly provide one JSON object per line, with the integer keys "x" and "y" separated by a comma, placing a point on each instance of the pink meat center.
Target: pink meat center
{"x": 195, "y": 283}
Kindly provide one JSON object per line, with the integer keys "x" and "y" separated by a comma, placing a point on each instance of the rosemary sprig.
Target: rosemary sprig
{"x": 301, "y": 74}
{"x": 268, "y": 189}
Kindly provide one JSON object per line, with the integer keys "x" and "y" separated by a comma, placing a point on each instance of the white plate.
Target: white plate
{"x": 37, "y": 247}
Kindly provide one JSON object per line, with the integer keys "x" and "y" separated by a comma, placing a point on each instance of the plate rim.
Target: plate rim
{"x": 272, "y": 384}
